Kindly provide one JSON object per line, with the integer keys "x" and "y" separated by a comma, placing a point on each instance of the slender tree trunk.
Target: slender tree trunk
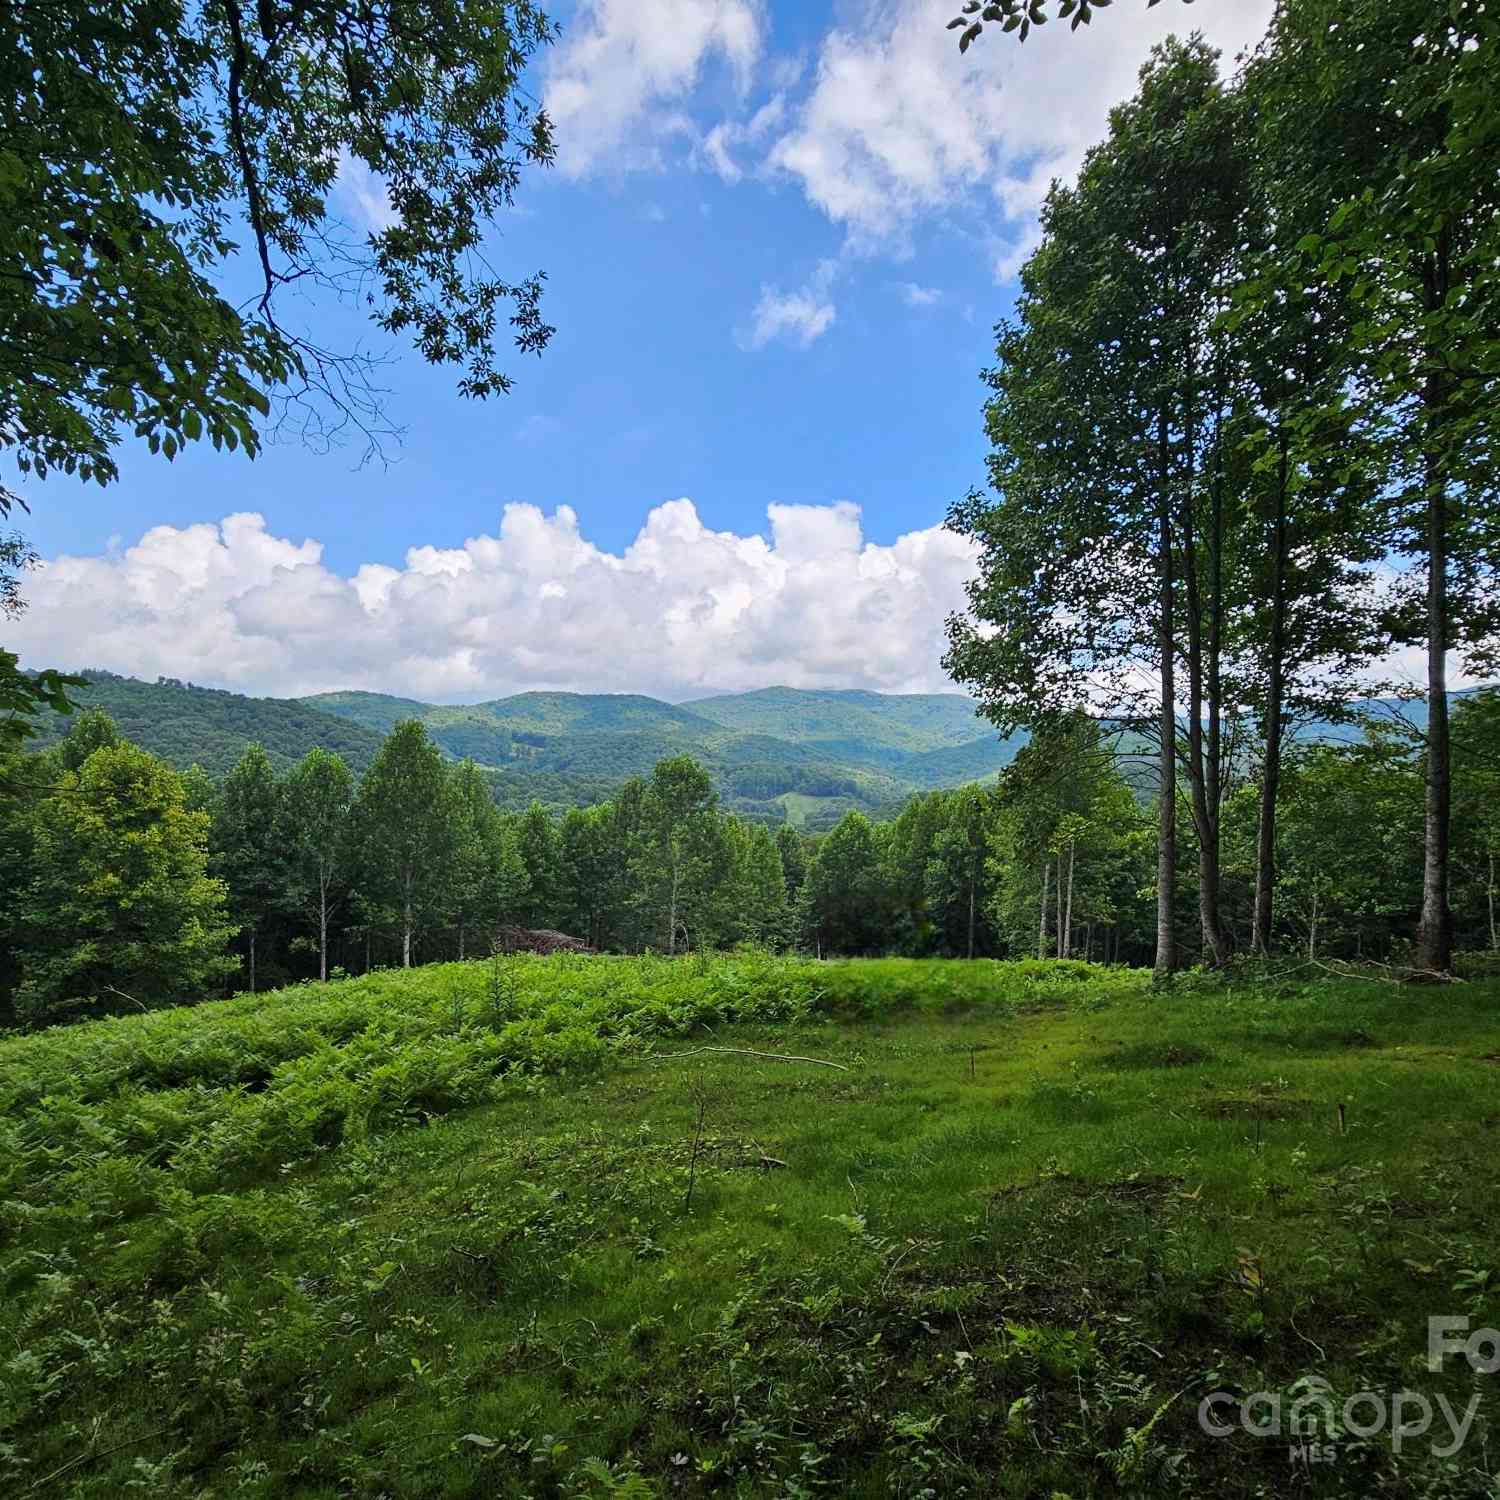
{"x": 672, "y": 915}
{"x": 1312, "y": 930}
{"x": 1067, "y": 925}
{"x": 1041, "y": 933}
{"x": 1270, "y": 781}
{"x": 460, "y": 937}
{"x": 1435, "y": 934}
{"x": 1201, "y": 774}
{"x": 323, "y": 929}
{"x": 367, "y": 950}
{"x": 973, "y": 881}
{"x": 1166, "y": 841}
{"x": 1490, "y": 895}
{"x": 1213, "y": 769}
{"x": 252, "y": 960}
{"x": 1057, "y": 901}
{"x": 406, "y": 933}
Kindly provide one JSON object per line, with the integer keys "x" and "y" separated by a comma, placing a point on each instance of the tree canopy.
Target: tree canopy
{"x": 168, "y": 170}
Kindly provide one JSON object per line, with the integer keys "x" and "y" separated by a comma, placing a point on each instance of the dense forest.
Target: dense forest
{"x": 128, "y": 884}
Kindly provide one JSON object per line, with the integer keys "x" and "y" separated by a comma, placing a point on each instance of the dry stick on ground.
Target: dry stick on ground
{"x": 84, "y": 1458}
{"x": 822, "y": 1062}
{"x": 1361, "y": 970}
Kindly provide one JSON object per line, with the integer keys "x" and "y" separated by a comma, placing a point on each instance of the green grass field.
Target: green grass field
{"x": 509, "y": 1230}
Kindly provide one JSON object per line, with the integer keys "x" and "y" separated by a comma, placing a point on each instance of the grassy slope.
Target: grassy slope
{"x": 309, "y": 1244}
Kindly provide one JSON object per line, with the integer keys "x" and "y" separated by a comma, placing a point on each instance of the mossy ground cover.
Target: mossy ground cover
{"x": 480, "y": 1231}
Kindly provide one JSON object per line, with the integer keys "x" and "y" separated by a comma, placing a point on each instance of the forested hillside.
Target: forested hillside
{"x": 899, "y": 721}
{"x": 783, "y": 755}
{"x": 188, "y": 725}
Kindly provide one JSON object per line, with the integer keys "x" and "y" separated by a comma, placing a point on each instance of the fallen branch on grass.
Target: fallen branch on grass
{"x": 822, "y": 1062}
{"x": 93, "y": 1453}
{"x": 1390, "y": 973}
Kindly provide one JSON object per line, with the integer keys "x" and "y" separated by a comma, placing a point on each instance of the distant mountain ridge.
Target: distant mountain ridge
{"x": 779, "y": 754}
{"x": 794, "y": 754}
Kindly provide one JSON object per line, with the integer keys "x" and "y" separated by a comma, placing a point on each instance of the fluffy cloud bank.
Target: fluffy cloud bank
{"x": 896, "y": 126}
{"x": 617, "y": 84}
{"x": 682, "y": 610}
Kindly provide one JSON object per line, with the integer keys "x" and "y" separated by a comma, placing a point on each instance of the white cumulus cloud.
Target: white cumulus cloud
{"x": 915, "y": 295}
{"x": 800, "y": 317}
{"x": 364, "y": 195}
{"x": 682, "y": 609}
{"x": 625, "y": 69}
{"x": 895, "y": 125}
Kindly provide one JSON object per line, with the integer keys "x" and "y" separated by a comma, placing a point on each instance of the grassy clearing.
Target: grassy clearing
{"x": 467, "y": 1232}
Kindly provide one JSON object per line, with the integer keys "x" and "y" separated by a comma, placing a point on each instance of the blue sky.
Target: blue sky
{"x": 776, "y": 240}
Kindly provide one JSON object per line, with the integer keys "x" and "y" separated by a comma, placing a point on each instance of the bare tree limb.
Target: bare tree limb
{"x": 746, "y": 1052}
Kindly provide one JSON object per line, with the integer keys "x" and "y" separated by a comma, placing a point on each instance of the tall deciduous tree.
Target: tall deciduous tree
{"x": 540, "y": 846}
{"x": 249, "y": 850}
{"x": 406, "y": 832}
{"x": 1387, "y": 111}
{"x": 958, "y": 872}
{"x": 681, "y": 853}
{"x": 586, "y": 866}
{"x": 1102, "y": 561}
{"x": 750, "y": 904}
{"x": 845, "y": 901}
{"x": 317, "y": 798}
{"x": 120, "y": 911}
{"x": 793, "y": 859}
{"x": 1312, "y": 520}
{"x": 490, "y": 878}
{"x": 909, "y": 852}
{"x": 92, "y": 730}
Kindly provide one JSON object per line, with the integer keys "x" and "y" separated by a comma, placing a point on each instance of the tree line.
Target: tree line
{"x": 126, "y": 884}
{"x": 1242, "y": 431}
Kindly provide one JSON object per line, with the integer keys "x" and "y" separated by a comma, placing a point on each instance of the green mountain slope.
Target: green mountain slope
{"x": 907, "y": 721}
{"x": 186, "y": 725}
{"x": 778, "y": 754}
{"x": 377, "y": 711}
{"x": 593, "y": 713}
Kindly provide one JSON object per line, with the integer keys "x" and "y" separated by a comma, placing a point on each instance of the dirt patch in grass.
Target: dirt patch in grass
{"x": 1138, "y": 1188}
{"x": 1157, "y": 1055}
{"x": 1331, "y": 1038}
